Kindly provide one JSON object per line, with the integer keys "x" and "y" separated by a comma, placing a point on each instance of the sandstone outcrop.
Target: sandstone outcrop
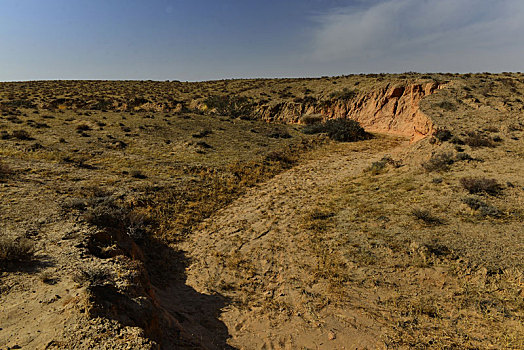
{"x": 392, "y": 109}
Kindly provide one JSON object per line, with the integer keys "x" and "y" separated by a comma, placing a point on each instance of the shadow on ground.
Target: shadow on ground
{"x": 192, "y": 318}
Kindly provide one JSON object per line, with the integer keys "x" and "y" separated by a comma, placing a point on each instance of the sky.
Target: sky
{"x": 192, "y": 40}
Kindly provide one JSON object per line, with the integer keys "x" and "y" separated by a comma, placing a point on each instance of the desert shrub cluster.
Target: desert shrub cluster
{"x": 343, "y": 130}
{"x": 476, "y": 139}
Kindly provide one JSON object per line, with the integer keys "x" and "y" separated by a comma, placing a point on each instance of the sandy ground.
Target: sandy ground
{"x": 253, "y": 253}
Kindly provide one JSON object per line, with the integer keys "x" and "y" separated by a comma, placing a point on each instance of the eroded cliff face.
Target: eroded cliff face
{"x": 391, "y": 109}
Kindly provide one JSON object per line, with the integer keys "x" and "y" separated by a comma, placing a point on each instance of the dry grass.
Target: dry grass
{"x": 15, "y": 250}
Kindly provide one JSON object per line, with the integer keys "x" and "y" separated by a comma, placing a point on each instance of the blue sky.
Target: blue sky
{"x": 214, "y": 39}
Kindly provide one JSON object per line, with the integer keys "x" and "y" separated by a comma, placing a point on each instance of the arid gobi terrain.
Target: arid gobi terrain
{"x": 247, "y": 214}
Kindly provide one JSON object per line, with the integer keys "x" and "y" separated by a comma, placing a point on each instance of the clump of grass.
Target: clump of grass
{"x": 106, "y": 213}
{"x": 378, "y": 166}
{"x": 15, "y": 249}
{"x": 342, "y": 130}
{"x": 74, "y": 203}
{"x": 92, "y": 276}
{"x": 426, "y": 216}
{"x": 310, "y": 119}
{"x": 481, "y": 185}
{"x": 439, "y": 162}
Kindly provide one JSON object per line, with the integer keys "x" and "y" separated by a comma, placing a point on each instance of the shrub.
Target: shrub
{"x": 108, "y": 214}
{"x": 482, "y": 207}
{"x": 15, "y": 249}
{"x": 443, "y": 135}
{"x": 376, "y": 167}
{"x": 21, "y": 135}
{"x": 343, "y": 130}
{"x": 461, "y": 156}
{"x": 475, "y": 139}
{"x": 439, "y": 162}
{"x": 425, "y": 216}
{"x": 137, "y": 174}
{"x": 456, "y": 140}
{"x": 481, "y": 185}
{"x": 83, "y": 127}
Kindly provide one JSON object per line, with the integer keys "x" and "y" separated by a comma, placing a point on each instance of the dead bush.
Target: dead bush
{"x": 481, "y": 185}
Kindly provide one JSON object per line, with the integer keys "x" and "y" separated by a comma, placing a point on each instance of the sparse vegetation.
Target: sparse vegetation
{"x": 320, "y": 240}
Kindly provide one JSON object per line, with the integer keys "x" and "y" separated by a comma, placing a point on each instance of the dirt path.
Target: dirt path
{"x": 255, "y": 253}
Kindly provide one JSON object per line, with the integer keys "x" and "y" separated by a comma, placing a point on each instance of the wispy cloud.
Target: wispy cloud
{"x": 396, "y": 35}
